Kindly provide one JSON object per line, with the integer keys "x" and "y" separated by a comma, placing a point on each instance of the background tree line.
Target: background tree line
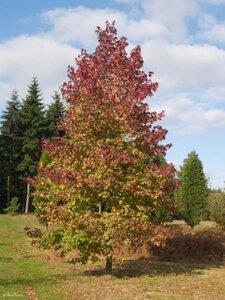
{"x": 24, "y": 124}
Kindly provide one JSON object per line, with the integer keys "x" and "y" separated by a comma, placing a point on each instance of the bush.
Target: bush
{"x": 51, "y": 239}
{"x": 217, "y": 209}
{"x": 183, "y": 243}
{"x": 14, "y": 207}
{"x": 33, "y": 232}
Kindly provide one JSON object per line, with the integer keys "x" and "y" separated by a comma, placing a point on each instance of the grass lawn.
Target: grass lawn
{"x": 29, "y": 273}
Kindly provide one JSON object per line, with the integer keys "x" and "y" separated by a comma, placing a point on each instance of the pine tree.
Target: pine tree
{"x": 193, "y": 190}
{"x": 11, "y": 144}
{"x": 10, "y": 117}
{"x": 97, "y": 184}
{"x": 33, "y": 126}
{"x": 3, "y": 186}
{"x": 54, "y": 116}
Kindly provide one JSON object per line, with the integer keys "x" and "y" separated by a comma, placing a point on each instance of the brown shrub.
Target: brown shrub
{"x": 198, "y": 244}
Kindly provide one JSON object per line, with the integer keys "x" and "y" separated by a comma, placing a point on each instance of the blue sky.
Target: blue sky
{"x": 183, "y": 43}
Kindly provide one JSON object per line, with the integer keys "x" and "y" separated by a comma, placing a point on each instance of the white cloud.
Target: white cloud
{"x": 5, "y": 88}
{"x": 23, "y": 57}
{"x": 184, "y": 116}
{"x": 214, "y": 95}
{"x": 213, "y": 2}
{"x": 210, "y": 29}
{"x": 71, "y": 25}
{"x": 181, "y": 67}
{"x": 79, "y": 23}
{"x": 173, "y": 14}
{"x": 215, "y": 33}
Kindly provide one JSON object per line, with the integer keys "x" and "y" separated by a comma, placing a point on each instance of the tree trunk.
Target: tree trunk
{"x": 108, "y": 266}
{"x": 8, "y": 191}
{"x": 27, "y": 199}
{"x": 99, "y": 208}
{"x": 46, "y": 227}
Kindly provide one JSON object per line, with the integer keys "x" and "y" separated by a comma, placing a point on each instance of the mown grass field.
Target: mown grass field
{"x": 29, "y": 273}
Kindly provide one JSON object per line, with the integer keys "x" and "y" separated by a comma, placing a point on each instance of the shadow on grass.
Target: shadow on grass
{"x": 185, "y": 251}
{"x": 127, "y": 269}
{"x": 5, "y": 259}
{"x": 154, "y": 267}
{"x": 30, "y": 281}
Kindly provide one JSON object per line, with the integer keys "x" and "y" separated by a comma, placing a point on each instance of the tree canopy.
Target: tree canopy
{"x": 99, "y": 184}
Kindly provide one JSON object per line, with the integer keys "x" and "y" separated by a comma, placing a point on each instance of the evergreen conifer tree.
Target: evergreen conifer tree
{"x": 54, "y": 115}
{"x": 193, "y": 190}
{"x": 10, "y": 117}
{"x": 33, "y": 125}
{"x": 3, "y": 186}
{"x": 11, "y": 144}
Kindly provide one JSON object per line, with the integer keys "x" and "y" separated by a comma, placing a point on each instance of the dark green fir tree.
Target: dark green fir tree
{"x": 54, "y": 115}
{"x": 10, "y": 149}
{"x": 193, "y": 190}
{"x": 33, "y": 126}
{"x": 10, "y": 123}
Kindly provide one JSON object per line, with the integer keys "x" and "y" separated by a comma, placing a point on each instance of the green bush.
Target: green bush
{"x": 66, "y": 243}
{"x": 216, "y": 208}
{"x": 51, "y": 239}
{"x": 14, "y": 207}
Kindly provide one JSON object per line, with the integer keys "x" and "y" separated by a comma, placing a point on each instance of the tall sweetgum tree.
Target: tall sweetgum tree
{"x": 106, "y": 181}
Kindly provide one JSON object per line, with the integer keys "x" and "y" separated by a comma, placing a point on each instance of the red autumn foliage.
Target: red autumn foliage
{"x": 112, "y": 156}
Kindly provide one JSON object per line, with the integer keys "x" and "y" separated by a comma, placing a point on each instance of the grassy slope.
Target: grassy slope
{"x": 27, "y": 273}
{"x": 22, "y": 272}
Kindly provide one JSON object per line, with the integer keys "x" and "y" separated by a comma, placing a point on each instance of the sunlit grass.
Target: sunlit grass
{"x": 26, "y": 270}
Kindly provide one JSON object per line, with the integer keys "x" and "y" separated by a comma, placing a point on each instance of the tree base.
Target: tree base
{"x": 108, "y": 266}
